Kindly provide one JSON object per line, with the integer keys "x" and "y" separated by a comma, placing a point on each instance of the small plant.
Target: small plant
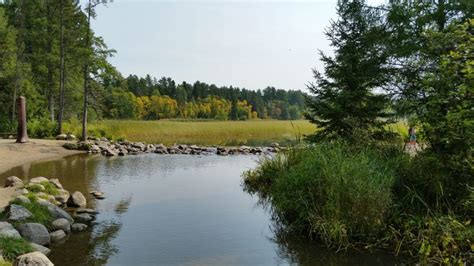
{"x": 13, "y": 247}
{"x": 40, "y": 213}
{"x": 49, "y": 188}
{"x": 35, "y": 188}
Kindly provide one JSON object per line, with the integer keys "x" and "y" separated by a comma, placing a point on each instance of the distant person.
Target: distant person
{"x": 412, "y": 135}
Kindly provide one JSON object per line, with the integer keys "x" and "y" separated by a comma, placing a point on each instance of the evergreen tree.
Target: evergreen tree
{"x": 344, "y": 102}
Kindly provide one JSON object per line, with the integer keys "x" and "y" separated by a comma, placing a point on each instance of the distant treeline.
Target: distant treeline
{"x": 50, "y": 54}
{"x": 150, "y": 98}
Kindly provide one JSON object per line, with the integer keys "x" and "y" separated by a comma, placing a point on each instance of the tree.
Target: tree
{"x": 8, "y": 67}
{"x": 344, "y": 101}
{"x": 88, "y": 41}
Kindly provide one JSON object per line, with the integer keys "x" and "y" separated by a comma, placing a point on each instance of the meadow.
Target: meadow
{"x": 199, "y": 132}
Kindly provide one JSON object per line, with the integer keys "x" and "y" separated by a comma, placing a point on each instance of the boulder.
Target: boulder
{"x": 32, "y": 259}
{"x": 56, "y": 183}
{"x": 21, "y": 191}
{"x": 57, "y": 236}
{"x": 59, "y": 213}
{"x": 17, "y": 213}
{"x": 63, "y": 196}
{"x": 40, "y": 248}
{"x": 35, "y": 187}
{"x": 13, "y": 181}
{"x": 77, "y": 199}
{"x": 7, "y": 230}
{"x": 61, "y": 137}
{"x": 83, "y": 217}
{"x": 38, "y": 179}
{"x": 71, "y": 137}
{"x": 78, "y": 227}
{"x": 22, "y": 199}
{"x": 61, "y": 224}
{"x": 35, "y": 232}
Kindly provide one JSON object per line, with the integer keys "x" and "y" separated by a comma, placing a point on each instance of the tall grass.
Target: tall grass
{"x": 205, "y": 132}
{"x": 352, "y": 196}
{"x": 339, "y": 195}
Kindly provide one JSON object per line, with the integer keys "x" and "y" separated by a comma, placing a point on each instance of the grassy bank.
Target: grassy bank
{"x": 251, "y": 132}
{"x": 369, "y": 198}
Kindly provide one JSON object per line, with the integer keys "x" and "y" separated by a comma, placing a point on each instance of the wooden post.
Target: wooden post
{"x": 22, "y": 134}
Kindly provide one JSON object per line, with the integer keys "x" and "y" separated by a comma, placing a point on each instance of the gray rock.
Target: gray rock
{"x": 7, "y": 230}
{"x": 57, "y": 236}
{"x": 77, "y": 199}
{"x": 61, "y": 224}
{"x": 71, "y": 137}
{"x": 40, "y": 248}
{"x": 83, "y": 217}
{"x": 59, "y": 213}
{"x": 85, "y": 210}
{"x": 78, "y": 227}
{"x": 38, "y": 179}
{"x": 35, "y": 232}
{"x": 17, "y": 213}
{"x": 56, "y": 183}
{"x": 13, "y": 181}
{"x": 63, "y": 196}
{"x": 61, "y": 137}
{"x": 22, "y": 199}
{"x": 33, "y": 259}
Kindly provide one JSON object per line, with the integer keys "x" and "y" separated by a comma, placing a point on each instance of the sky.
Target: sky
{"x": 246, "y": 44}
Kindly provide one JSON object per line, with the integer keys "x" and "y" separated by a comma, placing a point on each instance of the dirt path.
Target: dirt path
{"x": 13, "y": 154}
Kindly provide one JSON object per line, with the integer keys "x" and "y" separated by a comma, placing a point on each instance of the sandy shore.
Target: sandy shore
{"x": 13, "y": 154}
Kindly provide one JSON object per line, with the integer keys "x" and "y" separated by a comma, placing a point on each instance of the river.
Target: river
{"x": 177, "y": 210}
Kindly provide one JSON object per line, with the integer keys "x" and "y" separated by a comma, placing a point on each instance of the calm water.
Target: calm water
{"x": 177, "y": 210}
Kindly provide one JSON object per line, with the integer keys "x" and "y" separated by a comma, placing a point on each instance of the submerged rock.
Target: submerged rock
{"x": 33, "y": 259}
{"x": 57, "y": 236}
{"x": 85, "y": 210}
{"x": 78, "y": 227}
{"x": 83, "y": 217}
{"x": 35, "y": 232}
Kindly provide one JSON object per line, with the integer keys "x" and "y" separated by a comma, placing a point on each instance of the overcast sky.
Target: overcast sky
{"x": 251, "y": 44}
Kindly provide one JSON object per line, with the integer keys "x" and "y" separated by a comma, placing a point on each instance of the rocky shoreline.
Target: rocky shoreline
{"x": 122, "y": 148}
{"x": 41, "y": 213}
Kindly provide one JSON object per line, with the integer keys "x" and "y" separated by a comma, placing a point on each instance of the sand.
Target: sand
{"x": 14, "y": 154}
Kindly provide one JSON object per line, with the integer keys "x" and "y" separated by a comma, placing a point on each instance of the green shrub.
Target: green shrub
{"x": 14, "y": 247}
{"x": 41, "y": 128}
{"x": 340, "y": 195}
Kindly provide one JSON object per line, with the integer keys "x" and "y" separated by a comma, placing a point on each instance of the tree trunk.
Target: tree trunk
{"x": 22, "y": 135}
{"x": 61, "y": 73}
{"x": 86, "y": 75}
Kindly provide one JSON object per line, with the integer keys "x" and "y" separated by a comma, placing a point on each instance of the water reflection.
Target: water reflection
{"x": 177, "y": 210}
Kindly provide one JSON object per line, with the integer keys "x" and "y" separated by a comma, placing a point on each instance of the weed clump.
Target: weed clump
{"x": 13, "y": 247}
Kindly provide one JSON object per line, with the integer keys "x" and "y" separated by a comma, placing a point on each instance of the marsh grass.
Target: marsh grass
{"x": 330, "y": 191}
{"x": 13, "y": 247}
{"x": 205, "y": 132}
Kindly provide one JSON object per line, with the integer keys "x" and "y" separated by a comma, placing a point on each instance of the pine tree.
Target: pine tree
{"x": 344, "y": 103}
